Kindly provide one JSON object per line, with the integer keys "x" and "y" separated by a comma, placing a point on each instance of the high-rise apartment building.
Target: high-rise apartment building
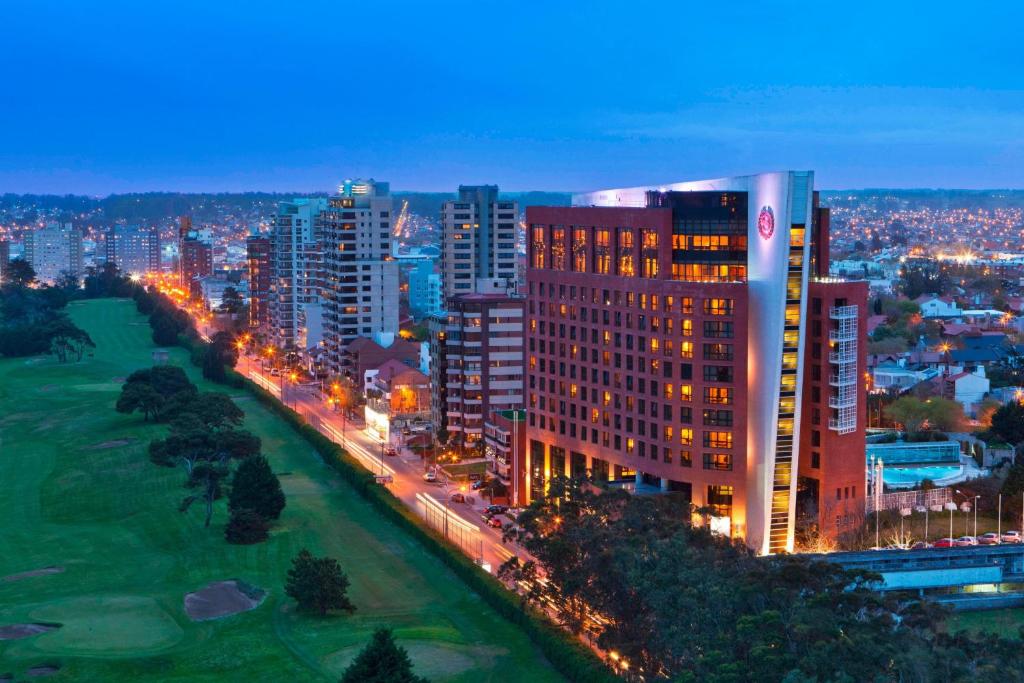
{"x": 425, "y": 289}
{"x": 668, "y": 332}
{"x": 476, "y": 363}
{"x": 54, "y": 251}
{"x": 195, "y": 258}
{"x": 296, "y": 318}
{"x": 479, "y": 242}
{"x": 133, "y": 249}
{"x": 360, "y": 289}
{"x": 259, "y": 256}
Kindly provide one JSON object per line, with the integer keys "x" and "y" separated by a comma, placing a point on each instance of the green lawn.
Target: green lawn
{"x": 1005, "y": 623}
{"x": 109, "y": 517}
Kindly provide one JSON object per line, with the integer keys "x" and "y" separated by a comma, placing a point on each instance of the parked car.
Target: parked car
{"x": 430, "y": 475}
{"x": 965, "y": 542}
{"x": 920, "y": 545}
{"x": 479, "y": 484}
{"x": 991, "y": 538}
{"x": 494, "y": 522}
{"x": 496, "y": 509}
{"x": 944, "y": 543}
{"x": 1011, "y": 537}
{"x": 457, "y": 498}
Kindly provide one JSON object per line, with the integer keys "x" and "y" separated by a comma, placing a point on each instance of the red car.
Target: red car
{"x": 495, "y": 523}
{"x": 944, "y": 543}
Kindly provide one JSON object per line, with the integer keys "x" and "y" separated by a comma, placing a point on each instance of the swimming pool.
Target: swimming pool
{"x": 906, "y": 477}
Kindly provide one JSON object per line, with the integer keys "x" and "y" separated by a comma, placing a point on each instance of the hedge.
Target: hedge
{"x": 568, "y": 656}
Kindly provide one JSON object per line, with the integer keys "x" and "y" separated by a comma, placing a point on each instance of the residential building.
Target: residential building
{"x": 895, "y": 375}
{"x": 482, "y": 345}
{"x": 54, "y": 251}
{"x": 425, "y": 289}
{"x": 479, "y": 242}
{"x": 133, "y": 249}
{"x": 395, "y": 392}
{"x": 363, "y": 356}
{"x": 933, "y": 306}
{"x": 505, "y": 450}
{"x": 294, "y": 306}
{"x": 668, "y": 347}
{"x": 360, "y": 291}
{"x": 967, "y": 388}
{"x": 259, "y": 256}
{"x": 196, "y": 261}
{"x": 5, "y": 258}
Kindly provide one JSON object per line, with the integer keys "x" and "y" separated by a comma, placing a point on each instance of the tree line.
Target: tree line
{"x": 676, "y": 602}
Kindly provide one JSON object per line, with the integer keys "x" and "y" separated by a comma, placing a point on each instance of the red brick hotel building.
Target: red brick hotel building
{"x": 686, "y": 338}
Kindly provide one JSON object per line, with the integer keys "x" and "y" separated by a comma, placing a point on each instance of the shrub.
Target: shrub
{"x": 246, "y": 527}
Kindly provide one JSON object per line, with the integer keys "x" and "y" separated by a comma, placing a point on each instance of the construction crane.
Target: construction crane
{"x": 403, "y": 218}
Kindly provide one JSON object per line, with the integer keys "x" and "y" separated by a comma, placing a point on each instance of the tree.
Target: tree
{"x": 246, "y": 527}
{"x": 381, "y": 661}
{"x": 67, "y": 340}
{"x": 231, "y": 301}
{"x": 909, "y": 411}
{"x": 165, "y": 332}
{"x": 212, "y": 410}
{"x": 1008, "y": 423}
{"x": 318, "y": 584}
{"x": 142, "y": 397}
{"x": 944, "y": 414}
{"x": 20, "y": 272}
{"x": 255, "y": 487}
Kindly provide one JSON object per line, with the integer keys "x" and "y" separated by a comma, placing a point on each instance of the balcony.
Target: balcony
{"x": 843, "y": 313}
{"x": 843, "y": 356}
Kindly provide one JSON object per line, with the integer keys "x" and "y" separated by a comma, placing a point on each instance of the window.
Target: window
{"x": 718, "y": 418}
{"x": 718, "y": 439}
{"x": 718, "y": 373}
{"x": 718, "y": 352}
{"x": 718, "y": 329}
{"x": 719, "y": 395}
{"x": 718, "y": 306}
{"x": 816, "y": 460}
{"x": 720, "y": 500}
{"x": 538, "y": 246}
{"x": 686, "y": 392}
{"x": 686, "y": 305}
{"x": 686, "y": 349}
{"x": 718, "y": 461}
{"x": 558, "y": 248}
{"x": 579, "y": 250}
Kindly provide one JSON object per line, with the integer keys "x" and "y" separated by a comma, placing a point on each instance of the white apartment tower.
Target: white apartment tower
{"x": 294, "y": 298}
{"x": 360, "y": 289}
{"x": 54, "y": 251}
{"x": 478, "y": 254}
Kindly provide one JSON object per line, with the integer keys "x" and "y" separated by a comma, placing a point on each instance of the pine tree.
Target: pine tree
{"x": 381, "y": 661}
{"x": 256, "y": 487}
{"x": 246, "y": 527}
{"x": 317, "y": 583}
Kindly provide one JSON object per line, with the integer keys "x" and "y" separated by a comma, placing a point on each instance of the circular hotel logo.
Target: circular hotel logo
{"x": 766, "y": 222}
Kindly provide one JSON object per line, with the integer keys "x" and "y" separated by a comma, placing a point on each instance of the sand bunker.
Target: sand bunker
{"x": 222, "y": 599}
{"x": 34, "y": 572}
{"x": 44, "y": 670}
{"x": 18, "y": 631}
{"x": 115, "y": 443}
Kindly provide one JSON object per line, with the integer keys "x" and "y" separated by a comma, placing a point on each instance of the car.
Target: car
{"x": 390, "y": 450}
{"x": 430, "y": 475}
{"x": 991, "y": 538}
{"x": 457, "y": 498}
{"x": 496, "y": 509}
{"x": 920, "y": 545}
{"x": 1011, "y": 537}
{"x": 944, "y": 543}
{"x": 965, "y": 542}
{"x": 479, "y": 484}
{"x": 495, "y": 523}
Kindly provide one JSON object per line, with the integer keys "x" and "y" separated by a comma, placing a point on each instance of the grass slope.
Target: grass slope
{"x": 109, "y": 516}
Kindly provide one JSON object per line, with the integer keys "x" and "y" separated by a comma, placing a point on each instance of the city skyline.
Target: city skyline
{"x": 139, "y": 100}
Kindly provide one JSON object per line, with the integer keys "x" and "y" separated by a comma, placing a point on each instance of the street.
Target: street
{"x": 405, "y": 470}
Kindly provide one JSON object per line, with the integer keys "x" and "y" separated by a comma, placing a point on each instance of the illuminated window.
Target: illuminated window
{"x": 686, "y": 392}
{"x": 579, "y": 250}
{"x": 654, "y": 344}
{"x": 572, "y": 391}
{"x": 538, "y": 246}
{"x": 686, "y": 349}
{"x": 718, "y": 439}
{"x": 630, "y": 445}
{"x": 595, "y": 415}
{"x": 669, "y": 434}
{"x": 686, "y": 328}
{"x": 718, "y": 395}
{"x": 718, "y": 306}
{"x": 607, "y": 398}
{"x": 718, "y": 461}
{"x": 686, "y": 436}
{"x": 668, "y": 390}
{"x": 558, "y": 248}
{"x": 720, "y": 500}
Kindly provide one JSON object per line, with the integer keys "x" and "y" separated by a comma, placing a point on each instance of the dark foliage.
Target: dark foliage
{"x": 317, "y": 584}
{"x": 381, "y": 661}
{"x": 246, "y": 527}
{"x": 255, "y": 487}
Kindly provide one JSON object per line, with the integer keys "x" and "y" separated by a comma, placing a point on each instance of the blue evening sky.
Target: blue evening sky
{"x": 100, "y": 96}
